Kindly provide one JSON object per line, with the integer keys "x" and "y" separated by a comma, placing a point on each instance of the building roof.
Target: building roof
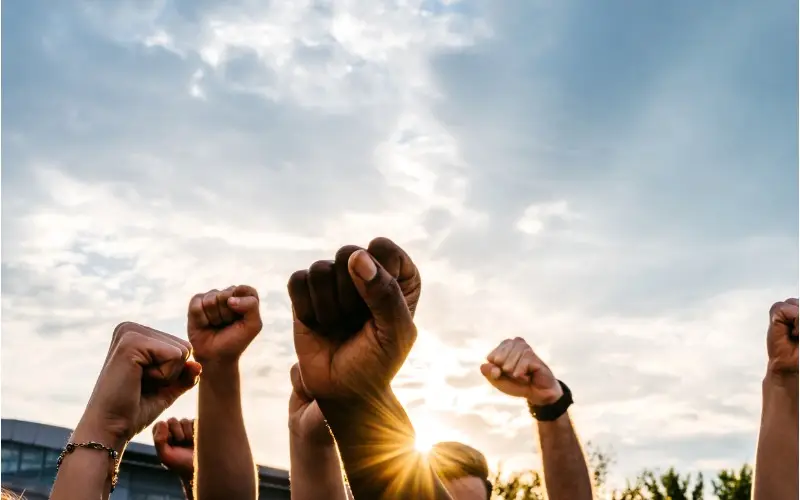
{"x": 53, "y": 437}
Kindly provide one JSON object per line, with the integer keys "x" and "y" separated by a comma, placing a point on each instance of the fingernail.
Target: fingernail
{"x": 496, "y": 372}
{"x": 233, "y": 301}
{"x": 364, "y": 266}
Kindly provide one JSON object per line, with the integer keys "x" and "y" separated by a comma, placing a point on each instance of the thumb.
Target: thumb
{"x": 245, "y": 302}
{"x": 491, "y": 372}
{"x": 383, "y": 297}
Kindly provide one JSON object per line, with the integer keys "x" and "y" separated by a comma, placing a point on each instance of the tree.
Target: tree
{"x": 667, "y": 486}
{"x": 525, "y": 485}
{"x": 600, "y": 461}
{"x": 733, "y": 485}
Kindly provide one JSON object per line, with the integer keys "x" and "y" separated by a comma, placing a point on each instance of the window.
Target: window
{"x": 31, "y": 459}
{"x": 10, "y": 458}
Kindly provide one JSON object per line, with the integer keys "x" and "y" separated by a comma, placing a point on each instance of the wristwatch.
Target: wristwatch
{"x": 548, "y": 413}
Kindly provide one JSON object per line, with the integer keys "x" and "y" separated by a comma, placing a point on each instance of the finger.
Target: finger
{"x": 197, "y": 315}
{"x": 525, "y": 366}
{"x": 515, "y": 352}
{"x": 354, "y": 311}
{"x": 400, "y": 266}
{"x": 176, "y": 431}
{"x": 160, "y": 434}
{"x": 245, "y": 301}
{"x": 211, "y": 308}
{"x": 187, "y": 425}
{"x": 783, "y": 313}
{"x": 189, "y": 376}
{"x": 127, "y": 327}
{"x": 498, "y": 356}
{"x": 297, "y": 383}
{"x": 491, "y": 371}
{"x": 792, "y": 301}
{"x": 227, "y": 315}
{"x": 300, "y": 295}
{"x": 385, "y": 301}
{"x": 322, "y": 287}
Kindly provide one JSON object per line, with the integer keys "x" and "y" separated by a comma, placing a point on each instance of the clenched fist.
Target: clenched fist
{"x": 354, "y": 319}
{"x": 223, "y": 323}
{"x": 144, "y": 373}
{"x": 516, "y": 370}
{"x": 306, "y": 421}
{"x": 174, "y": 442}
{"x": 782, "y": 337}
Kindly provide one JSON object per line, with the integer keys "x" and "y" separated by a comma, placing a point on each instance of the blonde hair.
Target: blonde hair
{"x": 8, "y": 495}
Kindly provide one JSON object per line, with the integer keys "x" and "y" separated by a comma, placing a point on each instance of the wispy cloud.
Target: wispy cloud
{"x": 615, "y": 183}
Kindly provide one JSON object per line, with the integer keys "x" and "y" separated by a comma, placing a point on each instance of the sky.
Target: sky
{"x": 615, "y": 182}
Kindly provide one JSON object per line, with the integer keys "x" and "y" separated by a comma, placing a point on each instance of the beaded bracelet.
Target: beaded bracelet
{"x": 92, "y": 445}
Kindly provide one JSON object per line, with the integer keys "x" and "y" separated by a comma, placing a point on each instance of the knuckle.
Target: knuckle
{"x": 125, "y": 327}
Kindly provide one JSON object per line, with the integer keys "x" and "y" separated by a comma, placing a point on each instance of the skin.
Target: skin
{"x": 174, "y": 443}
{"x": 222, "y": 324}
{"x": 514, "y": 369}
{"x": 315, "y": 469}
{"x": 348, "y": 355}
{"x": 123, "y": 403}
{"x": 776, "y": 471}
{"x": 466, "y": 488}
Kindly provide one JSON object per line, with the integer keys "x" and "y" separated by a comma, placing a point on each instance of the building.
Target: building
{"x": 30, "y": 451}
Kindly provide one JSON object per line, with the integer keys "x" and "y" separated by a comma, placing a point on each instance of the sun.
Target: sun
{"x": 429, "y": 431}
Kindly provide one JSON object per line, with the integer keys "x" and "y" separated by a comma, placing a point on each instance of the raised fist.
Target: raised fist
{"x": 513, "y": 368}
{"x": 174, "y": 442}
{"x": 782, "y": 337}
{"x": 306, "y": 421}
{"x": 223, "y": 323}
{"x": 353, "y": 319}
{"x": 145, "y": 372}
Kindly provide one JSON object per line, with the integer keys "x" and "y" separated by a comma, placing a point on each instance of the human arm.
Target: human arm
{"x": 515, "y": 369}
{"x": 221, "y": 326}
{"x": 119, "y": 408}
{"x": 315, "y": 471}
{"x": 776, "y": 470}
{"x": 349, "y": 371}
{"x": 174, "y": 443}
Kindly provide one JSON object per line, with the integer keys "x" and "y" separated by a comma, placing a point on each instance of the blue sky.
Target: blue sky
{"x": 616, "y": 182}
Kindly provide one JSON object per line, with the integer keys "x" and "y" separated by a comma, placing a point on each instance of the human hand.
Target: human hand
{"x": 174, "y": 442}
{"x": 343, "y": 351}
{"x": 223, "y": 323}
{"x": 306, "y": 421}
{"x": 782, "y": 338}
{"x": 513, "y": 368}
{"x": 145, "y": 372}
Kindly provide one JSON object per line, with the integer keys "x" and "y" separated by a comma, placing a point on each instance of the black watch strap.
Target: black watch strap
{"x": 548, "y": 413}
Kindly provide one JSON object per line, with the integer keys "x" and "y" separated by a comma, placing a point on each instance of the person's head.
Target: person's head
{"x": 462, "y": 469}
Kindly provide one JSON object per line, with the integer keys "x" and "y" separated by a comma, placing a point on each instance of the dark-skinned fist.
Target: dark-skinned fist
{"x": 354, "y": 319}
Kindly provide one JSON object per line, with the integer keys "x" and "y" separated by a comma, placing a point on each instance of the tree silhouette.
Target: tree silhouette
{"x": 733, "y": 485}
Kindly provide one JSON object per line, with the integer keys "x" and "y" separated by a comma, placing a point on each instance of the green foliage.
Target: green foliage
{"x": 525, "y": 485}
{"x": 648, "y": 485}
{"x": 733, "y": 485}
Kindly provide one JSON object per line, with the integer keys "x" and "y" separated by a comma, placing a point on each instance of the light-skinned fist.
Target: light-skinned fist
{"x": 174, "y": 443}
{"x": 513, "y": 368}
{"x": 145, "y": 372}
{"x": 223, "y": 323}
{"x": 306, "y": 421}
{"x": 353, "y": 319}
{"x": 782, "y": 338}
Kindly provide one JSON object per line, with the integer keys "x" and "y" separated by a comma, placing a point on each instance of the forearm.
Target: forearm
{"x": 376, "y": 443}
{"x": 225, "y": 467}
{"x": 188, "y": 488}
{"x": 776, "y": 476}
{"x": 315, "y": 471}
{"x": 86, "y": 474}
{"x": 565, "y": 472}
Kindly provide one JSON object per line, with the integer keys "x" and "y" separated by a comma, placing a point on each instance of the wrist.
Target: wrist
{"x": 90, "y": 428}
{"x": 550, "y": 397}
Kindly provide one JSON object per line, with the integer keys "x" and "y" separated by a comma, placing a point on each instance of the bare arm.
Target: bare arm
{"x": 776, "y": 475}
{"x": 225, "y": 466}
{"x": 514, "y": 369}
{"x": 566, "y": 475}
{"x": 315, "y": 471}
{"x": 86, "y": 474}
{"x": 376, "y": 442}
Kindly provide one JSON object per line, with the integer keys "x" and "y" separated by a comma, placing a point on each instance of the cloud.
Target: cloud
{"x": 616, "y": 185}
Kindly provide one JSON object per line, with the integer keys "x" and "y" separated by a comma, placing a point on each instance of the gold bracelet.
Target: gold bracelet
{"x": 92, "y": 445}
